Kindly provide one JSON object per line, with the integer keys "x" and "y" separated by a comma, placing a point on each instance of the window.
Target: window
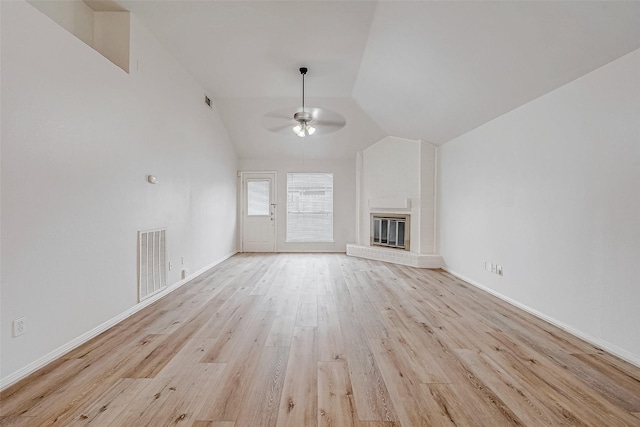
{"x": 257, "y": 197}
{"x": 309, "y": 207}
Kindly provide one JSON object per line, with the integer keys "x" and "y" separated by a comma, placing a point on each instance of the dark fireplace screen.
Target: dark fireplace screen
{"x": 390, "y": 231}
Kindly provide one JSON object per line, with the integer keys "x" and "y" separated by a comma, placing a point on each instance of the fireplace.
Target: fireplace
{"x": 390, "y": 230}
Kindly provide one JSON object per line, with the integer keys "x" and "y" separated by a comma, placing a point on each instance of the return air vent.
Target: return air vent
{"x": 152, "y": 262}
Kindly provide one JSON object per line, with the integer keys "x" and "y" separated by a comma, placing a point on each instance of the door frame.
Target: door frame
{"x": 242, "y": 176}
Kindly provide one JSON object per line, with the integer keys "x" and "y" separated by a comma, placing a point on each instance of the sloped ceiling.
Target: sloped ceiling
{"x": 429, "y": 70}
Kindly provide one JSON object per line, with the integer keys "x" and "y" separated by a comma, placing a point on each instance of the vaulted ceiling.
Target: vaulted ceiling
{"x": 429, "y": 70}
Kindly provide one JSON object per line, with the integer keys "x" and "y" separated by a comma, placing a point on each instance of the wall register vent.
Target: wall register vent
{"x": 152, "y": 262}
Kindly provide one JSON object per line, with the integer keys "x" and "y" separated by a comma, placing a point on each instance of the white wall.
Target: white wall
{"x": 396, "y": 169}
{"x": 344, "y": 199}
{"x": 75, "y": 16}
{"x": 551, "y": 191}
{"x": 111, "y": 37}
{"x": 107, "y": 32}
{"x": 427, "y": 198}
{"x": 79, "y": 137}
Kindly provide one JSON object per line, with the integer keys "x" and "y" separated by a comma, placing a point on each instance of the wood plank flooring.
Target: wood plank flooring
{"x": 329, "y": 340}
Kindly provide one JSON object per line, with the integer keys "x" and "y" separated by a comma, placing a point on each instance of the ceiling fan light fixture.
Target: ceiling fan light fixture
{"x": 303, "y": 127}
{"x": 307, "y": 121}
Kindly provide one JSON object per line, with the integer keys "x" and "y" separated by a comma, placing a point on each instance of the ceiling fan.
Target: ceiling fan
{"x": 306, "y": 121}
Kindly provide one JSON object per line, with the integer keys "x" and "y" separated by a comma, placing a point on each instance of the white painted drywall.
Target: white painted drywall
{"x": 108, "y": 32}
{"x": 399, "y": 169}
{"x": 551, "y": 191}
{"x": 111, "y": 36}
{"x": 73, "y": 15}
{"x": 344, "y": 196}
{"x": 79, "y": 137}
{"x": 427, "y": 198}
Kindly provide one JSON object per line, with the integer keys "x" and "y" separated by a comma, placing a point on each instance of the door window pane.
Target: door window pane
{"x": 258, "y": 197}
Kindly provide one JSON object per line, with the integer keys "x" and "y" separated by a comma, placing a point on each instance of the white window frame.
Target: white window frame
{"x": 329, "y": 238}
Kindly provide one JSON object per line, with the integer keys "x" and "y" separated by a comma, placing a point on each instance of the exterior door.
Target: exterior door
{"x": 258, "y": 212}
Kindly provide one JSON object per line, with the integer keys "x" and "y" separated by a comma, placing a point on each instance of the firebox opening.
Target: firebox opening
{"x": 390, "y": 230}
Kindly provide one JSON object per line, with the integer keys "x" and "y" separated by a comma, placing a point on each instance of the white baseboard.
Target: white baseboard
{"x": 607, "y": 346}
{"x": 76, "y": 342}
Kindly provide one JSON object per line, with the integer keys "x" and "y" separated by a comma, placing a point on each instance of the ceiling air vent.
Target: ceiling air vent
{"x": 207, "y": 101}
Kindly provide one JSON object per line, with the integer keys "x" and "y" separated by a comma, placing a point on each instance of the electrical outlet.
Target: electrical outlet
{"x": 492, "y": 268}
{"x": 18, "y": 327}
{"x": 170, "y": 266}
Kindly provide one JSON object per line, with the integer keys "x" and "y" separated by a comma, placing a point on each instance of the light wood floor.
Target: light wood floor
{"x": 306, "y": 339}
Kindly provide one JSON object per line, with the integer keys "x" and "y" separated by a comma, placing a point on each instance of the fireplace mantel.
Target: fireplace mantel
{"x": 400, "y": 203}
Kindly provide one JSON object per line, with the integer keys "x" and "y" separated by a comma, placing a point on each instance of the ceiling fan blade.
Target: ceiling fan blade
{"x": 279, "y": 121}
{"x": 280, "y": 114}
{"x": 283, "y": 129}
{"x": 282, "y": 122}
{"x": 324, "y": 114}
{"x": 325, "y": 130}
{"x": 329, "y": 123}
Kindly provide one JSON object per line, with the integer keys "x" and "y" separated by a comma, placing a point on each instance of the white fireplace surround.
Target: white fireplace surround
{"x": 396, "y": 177}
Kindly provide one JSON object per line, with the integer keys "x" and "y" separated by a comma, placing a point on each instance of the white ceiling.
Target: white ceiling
{"x": 429, "y": 70}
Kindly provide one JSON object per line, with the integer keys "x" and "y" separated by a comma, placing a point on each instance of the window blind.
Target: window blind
{"x": 309, "y": 207}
